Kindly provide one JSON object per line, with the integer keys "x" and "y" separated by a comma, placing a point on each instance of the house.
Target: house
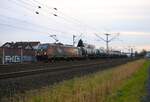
{"x": 18, "y": 52}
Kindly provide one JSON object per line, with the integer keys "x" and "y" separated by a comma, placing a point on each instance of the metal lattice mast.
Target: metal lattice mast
{"x": 107, "y": 40}
{"x": 74, "y": 40}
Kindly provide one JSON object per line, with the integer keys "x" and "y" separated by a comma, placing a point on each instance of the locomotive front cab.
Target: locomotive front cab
{"x": 41, "y": 54}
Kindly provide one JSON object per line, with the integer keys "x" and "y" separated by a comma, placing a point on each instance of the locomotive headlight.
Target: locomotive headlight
{"x": 45, "y": 53}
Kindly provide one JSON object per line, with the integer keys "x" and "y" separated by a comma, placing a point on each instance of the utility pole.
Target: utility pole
{"x": 21, "y": 53}
{"x": 131, "y": 51}
{"x": 107, "y": 40}
{"x": 3, "y": 59}
{"x": 74, "y": 36}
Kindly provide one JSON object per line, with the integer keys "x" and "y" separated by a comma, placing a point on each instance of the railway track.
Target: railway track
{"x": 26, "y": 67}
{"x": 23, "y": 80}
{"x": 33, "y": 69}
{"x": 51, "y": 68}
{"x": 46, "y": 70}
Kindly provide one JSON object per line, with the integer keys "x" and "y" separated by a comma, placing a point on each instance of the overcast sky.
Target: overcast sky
{"x": 131, "y": 18}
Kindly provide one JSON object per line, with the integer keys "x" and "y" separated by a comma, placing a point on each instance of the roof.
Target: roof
{"x": 23, "y": 45}
{"x": 8, "y": 44}
{"x": 31, "y": 43}
{"x": 56, "y": 44}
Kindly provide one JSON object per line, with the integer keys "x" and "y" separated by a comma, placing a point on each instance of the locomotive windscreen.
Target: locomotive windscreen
{"x": 43, "y": 47}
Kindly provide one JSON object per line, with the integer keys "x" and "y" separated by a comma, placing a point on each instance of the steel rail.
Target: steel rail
{"x": 56, "y": 69}
{"x": 28, "y": 67}
{"x": 45, "y": 70}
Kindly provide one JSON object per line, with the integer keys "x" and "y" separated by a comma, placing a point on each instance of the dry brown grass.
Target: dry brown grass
{"x": 91, "y": 88}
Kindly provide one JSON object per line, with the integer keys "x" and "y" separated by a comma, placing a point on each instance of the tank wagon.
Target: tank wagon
{"x": 58, "y": 51}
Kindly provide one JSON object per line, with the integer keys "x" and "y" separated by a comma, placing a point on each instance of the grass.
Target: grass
{"x": 134, "y": 89}
{"x": 113, "y": 85}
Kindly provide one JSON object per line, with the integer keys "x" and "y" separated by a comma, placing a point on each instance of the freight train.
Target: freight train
{"x": 58, "y": 51}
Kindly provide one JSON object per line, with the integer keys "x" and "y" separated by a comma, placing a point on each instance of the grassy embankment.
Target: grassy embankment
{"x": 125, "y": 83}
{"x": 133, "y": 89}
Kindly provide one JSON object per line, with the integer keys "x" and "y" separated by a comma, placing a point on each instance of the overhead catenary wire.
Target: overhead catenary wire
{"x": 26, "y": 29}
{"x": 41, "y": 16}
{"x": 29, "y": 9}
{"x": 28, "y": 4}
{"x": 44, "y": 13}
{"x": 36, "y": 7}
{"x": 73, "y": 19}
{"x": 29, "y": 23}
{"x": 37, "y": 31}
{"x": 64, "y": 17}
{"x": 60, "y": 14}
{"x": 107, "y": 40}
{"x": 52, "y": 8}
{"x": 40, "y": 8}
{"x": 67, "y": 20}
{"x": 22, "y": 21}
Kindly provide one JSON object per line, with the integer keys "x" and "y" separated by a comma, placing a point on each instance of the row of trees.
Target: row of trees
{"x": 141, "y": 54}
